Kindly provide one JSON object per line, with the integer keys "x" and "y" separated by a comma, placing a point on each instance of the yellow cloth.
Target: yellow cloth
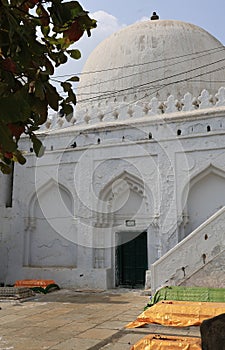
{"x": 158, "y": 342}
{"x": 178, "y": 313}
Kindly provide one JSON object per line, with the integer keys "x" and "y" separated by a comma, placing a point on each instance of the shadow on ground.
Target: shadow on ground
{"x": 84, "y": 296}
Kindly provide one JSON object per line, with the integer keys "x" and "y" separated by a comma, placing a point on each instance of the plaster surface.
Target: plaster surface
{"x": 128, "y": 162}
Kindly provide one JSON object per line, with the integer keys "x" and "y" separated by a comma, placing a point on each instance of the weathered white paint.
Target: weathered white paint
{"x": 102, "y": 186}
{"x": 206, "y": 196}
{"x": 155, "y": 160}
{"x": 150, "y": 51}
{"x": 136, "y": 110}
{"x": 192, "y": 254}
{"x": 211, "y": 274}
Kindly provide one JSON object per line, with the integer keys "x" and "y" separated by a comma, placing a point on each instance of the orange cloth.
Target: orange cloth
{"x": 159, "y": 342}
{"x": 178, "y": 313}
{"x": 33, "y": 283}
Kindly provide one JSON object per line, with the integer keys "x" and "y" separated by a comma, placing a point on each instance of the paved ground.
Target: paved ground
{"x": 76, "y": 320}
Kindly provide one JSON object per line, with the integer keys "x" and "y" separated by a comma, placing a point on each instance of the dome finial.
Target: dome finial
{"x": 154, "y": 16}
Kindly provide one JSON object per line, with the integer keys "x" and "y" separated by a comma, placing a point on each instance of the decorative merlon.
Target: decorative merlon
{"x": 111, "y": 111}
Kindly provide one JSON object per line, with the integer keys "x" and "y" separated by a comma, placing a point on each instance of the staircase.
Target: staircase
{"x": 198, "y": 260}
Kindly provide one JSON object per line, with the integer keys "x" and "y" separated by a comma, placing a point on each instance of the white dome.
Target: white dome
{"x": 151, "y": 58}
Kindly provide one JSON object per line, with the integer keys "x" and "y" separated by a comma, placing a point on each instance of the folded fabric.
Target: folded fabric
{"x": 178, "y": 313}
{"x": 159, "y": 342}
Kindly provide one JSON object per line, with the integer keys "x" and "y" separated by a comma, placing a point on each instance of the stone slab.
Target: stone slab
{"x": 14, "y": 293}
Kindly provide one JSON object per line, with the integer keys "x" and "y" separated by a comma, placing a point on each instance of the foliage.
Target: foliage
{"x": 28, "y": 60}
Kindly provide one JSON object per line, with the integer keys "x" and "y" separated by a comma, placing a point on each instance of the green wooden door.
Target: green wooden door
{"x": 132, "y": 262}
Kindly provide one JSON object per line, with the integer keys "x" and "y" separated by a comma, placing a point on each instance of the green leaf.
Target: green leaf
{"x": 20, "y": 158}
{"x": 62, "y": 58}
{"x": 43, "y": 15}
{"x": 39, "y": 149}
{"x": 87, "y": 23}
{"x": 45, "y": 30}
{"x": 39, "y": 90}
{"x": 74, "y": 8}
{"x": 5, "y": 169}
{"x": 33, "y": 128}
{"x": 15, "y": 107}
{"x": 49, "y": 67}
{"x": 53, "y": 56}
{"x": 39, "y": 111}
{"x": 66, "y": 86}
{"x": 27, "y": 62}
{"x": 74, "y": 54}
{"x": 3, "y": 88}
{"x": 8, "y": 78}
{"x": 74, "y": 79}
{"x": 68, "y": 109}
{"x": 52, "y": 96}
{"x": 64, "y": 12}
{"x": 7, "y": 142}
{"x": 63, "y": 43}
{"x": 71, "y": 97}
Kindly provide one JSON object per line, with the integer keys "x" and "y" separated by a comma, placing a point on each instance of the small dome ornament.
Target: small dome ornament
{"x": 154, "y": 16}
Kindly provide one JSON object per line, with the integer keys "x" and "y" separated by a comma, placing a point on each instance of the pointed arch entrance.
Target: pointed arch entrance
{"x": 126, "y": 205}
{"x": 206, "y": 196}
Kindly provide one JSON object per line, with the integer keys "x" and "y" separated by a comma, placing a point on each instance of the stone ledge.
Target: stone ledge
{"x": 13, "y": 293}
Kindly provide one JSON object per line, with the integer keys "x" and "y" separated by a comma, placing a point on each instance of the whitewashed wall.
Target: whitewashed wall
{"x": 199, "y": 253}
{"x": 137, "y": 169}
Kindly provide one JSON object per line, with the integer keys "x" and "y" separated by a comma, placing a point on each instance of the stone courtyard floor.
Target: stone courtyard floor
{"x": 77, "y": 320}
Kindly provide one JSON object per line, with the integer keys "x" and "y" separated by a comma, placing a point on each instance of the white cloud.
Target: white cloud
{"x": 106, "y": 25}
{"x": 145, "y": 18}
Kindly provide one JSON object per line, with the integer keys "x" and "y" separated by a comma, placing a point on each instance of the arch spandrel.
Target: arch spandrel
{"x": 125, "y": 197}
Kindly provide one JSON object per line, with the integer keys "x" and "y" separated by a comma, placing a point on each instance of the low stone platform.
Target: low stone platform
{"x": 15, "y": 293}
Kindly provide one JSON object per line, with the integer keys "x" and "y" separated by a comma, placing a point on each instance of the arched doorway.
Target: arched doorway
{"x": 131, "y": 259}
{"x": 127, "y": 207}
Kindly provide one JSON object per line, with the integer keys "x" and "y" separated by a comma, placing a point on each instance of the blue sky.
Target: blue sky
{"x": 113, "y": 15}
{"x": 205, "y": 13}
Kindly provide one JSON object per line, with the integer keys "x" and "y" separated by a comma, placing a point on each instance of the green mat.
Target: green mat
{"x": 188, "y": 294}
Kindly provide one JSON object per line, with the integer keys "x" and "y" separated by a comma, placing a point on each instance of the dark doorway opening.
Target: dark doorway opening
{"x": 131, "y": 260}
